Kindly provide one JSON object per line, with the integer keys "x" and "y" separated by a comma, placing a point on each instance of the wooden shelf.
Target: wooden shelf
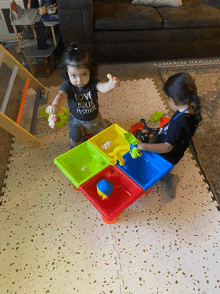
{"x": 29, "y": 47}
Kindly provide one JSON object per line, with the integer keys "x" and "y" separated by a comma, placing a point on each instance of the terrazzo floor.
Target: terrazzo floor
{"x": 53, "y": 240}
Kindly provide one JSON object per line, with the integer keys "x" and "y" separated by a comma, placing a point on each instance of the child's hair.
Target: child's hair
{"x": 182, "y": 89}
{"x": 77, "y": 57}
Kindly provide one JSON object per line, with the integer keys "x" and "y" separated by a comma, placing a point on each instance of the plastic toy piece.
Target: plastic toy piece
{"x": 84, "y": 169}
{"x": 164, "y": 120}
{"x": 136, "y": 127}
{"x": 110, "y": 77}
{"x": 152, "y": 130}
{"x": 106, "y": 145}
{"x": 130, "y": 138}
{"x": 52, "y": 119}
{"x": 104, "y": 188}
{"x": 134, "y": 151}
{"x": 117, "y": 156}
{"x": 60, "y": 117}
{"x": 157, "y": 115}
{"x": 145, "y": 125}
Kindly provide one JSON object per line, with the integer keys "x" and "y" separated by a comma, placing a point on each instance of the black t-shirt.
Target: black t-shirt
{"x": 178, "y": 133}
{"x": 82, "y": 102}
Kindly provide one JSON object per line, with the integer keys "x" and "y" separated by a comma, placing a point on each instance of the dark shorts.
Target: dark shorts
{"x": 79, "y": 128}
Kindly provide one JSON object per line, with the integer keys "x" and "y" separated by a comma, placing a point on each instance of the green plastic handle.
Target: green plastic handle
{"x": 130, "y": 138}
{"x": 63, "y": 116}
{"x": 135, "y": 153}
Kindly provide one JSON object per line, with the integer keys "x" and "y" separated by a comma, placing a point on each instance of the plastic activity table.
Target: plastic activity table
{"x": 87, "y": 164}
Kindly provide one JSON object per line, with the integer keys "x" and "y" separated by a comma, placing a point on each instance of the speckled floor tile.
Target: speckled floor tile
{"x": 54, "y": 241}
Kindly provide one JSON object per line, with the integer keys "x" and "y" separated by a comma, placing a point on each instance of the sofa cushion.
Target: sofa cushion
{"x": 215, "y": 3}
{"x": 174, "y": 3}
{"x": 193, "y": 13}
{"x": 122, "y": 15}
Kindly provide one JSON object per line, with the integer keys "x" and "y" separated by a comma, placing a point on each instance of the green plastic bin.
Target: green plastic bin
{"x": 81, "y": 163}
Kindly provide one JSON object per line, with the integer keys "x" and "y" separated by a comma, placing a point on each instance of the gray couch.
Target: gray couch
{"x": 120, "y": 31}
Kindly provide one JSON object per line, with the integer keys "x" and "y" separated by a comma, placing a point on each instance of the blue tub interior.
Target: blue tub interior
{"x": 147, "y": 169}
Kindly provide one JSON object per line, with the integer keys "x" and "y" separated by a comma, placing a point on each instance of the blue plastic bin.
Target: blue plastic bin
{"x": 147, "y": 169}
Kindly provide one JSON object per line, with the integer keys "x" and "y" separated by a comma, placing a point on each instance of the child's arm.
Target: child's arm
{"x": 110, "y": 85}
{"x": 157, "y": 147}
{"x": 58, "y": 101}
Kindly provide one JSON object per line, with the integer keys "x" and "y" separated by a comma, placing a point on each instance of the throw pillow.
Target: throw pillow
{"x": 174, "y": 3}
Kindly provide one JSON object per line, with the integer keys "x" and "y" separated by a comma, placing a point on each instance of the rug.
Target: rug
{"x": 53, "y": 240}
{"x": 207, "y": 78}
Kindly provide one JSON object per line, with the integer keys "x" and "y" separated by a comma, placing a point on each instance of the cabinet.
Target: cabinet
{"x": 29, "y": 47}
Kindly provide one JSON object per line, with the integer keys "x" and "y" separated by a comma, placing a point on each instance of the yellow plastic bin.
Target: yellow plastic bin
{"x": 118, "y": 145}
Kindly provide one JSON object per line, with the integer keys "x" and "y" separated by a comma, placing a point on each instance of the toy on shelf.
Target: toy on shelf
{"x": 55, "y": 120}
{"x": 104, "y": 188}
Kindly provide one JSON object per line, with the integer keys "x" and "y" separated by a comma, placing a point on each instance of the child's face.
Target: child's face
{"x": 79, "y": 77}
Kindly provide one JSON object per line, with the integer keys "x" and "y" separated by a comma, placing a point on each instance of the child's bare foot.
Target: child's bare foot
{"x": 170, "y": 182}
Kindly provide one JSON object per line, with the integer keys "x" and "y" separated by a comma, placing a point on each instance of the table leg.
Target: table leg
{"x": 31, "y": 66}
{"x": 149, "y": 190}
{"x": 75, "y": 188}
{"x": 19, "y": 43}
{"x": 54, "y": 36}
{"x": 110, "y": 222}
{"x": 34, "y": 32}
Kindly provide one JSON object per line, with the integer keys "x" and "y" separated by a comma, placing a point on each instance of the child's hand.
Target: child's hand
{"x": 115, "y": 82}
{"x": 52, "y": 109}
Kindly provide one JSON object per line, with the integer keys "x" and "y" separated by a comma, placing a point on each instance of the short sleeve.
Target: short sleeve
{"x": 174, "y": 132}
{"x": 65, "y": 87}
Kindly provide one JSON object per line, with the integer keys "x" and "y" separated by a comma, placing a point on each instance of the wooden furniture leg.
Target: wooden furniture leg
{"x": 31, "y": 66}
{"x": 19, "y": 43}
{"x": 54, "y": 36}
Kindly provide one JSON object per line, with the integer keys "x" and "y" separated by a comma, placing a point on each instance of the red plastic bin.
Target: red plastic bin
{"x": 125, "y": 192}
